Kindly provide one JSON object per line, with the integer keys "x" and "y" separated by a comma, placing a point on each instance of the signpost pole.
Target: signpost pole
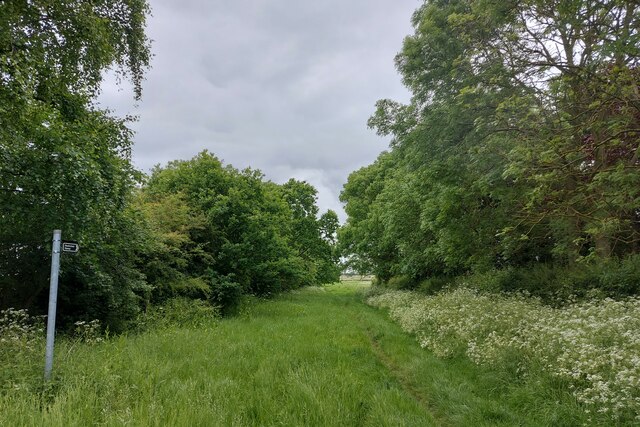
{"x": 53, "y": 300}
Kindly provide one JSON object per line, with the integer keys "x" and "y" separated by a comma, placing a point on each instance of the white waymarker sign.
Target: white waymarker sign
{"x": 57, "y": 247}
{"x": 70, "y": 247}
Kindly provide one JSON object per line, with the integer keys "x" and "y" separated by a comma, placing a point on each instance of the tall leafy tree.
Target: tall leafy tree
{"x": 64, "y": 163}
{"x": 311, "y": 234}
{"x": 576, "y": 117}
{"x": 362, "y": 239}
{"x": 519, "y": 145}
{"x": 236, "y": 231}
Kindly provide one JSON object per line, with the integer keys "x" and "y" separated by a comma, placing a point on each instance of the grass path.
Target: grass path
{"x": 316, "y": 357}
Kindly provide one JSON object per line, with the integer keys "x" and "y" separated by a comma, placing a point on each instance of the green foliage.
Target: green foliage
{"x": 556, "y": 284}
{"x": 169, "y": 251}
{"x": 400, "y": 282}
{"x": 314, "y": 237}
{"x": 234, "y": 231}
{"x": 621, "y": 277}
{"x": 224, "y": 292}
{"x": 178, "y": 312}
{"x": 519, "y": 145}
{"x": 361, "y": 238}
{"x": 192, "y": 287}
{"x": 435, "y": 284}
{"x": 97, "y": 35}
{"x": 63, "y": 163}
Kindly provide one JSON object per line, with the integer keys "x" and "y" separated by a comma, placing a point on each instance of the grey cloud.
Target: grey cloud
{"x": 280, "y": 85}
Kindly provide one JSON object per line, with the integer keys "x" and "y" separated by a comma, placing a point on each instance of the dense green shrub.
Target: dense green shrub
{"x": 233, "y": 230}
{"x": 224, "y": 292}
{"x": 539, "y": 279}
{"x": 621, "y": 277}
{"x": 400, "y": 282}
{"x": 191, "y": 287}
{"x": 555, "y": 284}
{"x": 178, "y": 312}
{"x": 612, "y": 277}
{"x": 434, "y": 284}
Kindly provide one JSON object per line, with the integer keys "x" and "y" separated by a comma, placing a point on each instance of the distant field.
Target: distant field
{"x": 315, "y": 357}
{"x": 356, "y": 278}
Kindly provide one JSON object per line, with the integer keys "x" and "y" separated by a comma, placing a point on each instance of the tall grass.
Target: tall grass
{"x": 314, "y": 357}
{"x": 294, "y": 361}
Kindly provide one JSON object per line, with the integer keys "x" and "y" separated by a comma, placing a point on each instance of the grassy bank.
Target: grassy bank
{"x": 318, "y": 356}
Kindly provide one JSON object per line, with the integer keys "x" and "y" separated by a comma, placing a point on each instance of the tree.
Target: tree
{"x": 579, "y": 120}
{"x": 361, "y": 239}
{"x": 329, "y": 256}
{"x": 235, "y": 231}
{"x": 312, "y": 236}
{"x": 519, "y": 145}
{"x": 64, "y": 163}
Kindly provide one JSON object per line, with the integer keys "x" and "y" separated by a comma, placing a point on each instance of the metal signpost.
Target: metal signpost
{"x": 70, "y": 247}
{"x": 53, "y": 300}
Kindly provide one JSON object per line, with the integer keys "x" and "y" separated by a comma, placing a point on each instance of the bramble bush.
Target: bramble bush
{"x": 593, "y": 346}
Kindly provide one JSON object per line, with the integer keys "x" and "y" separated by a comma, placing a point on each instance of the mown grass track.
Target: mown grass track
{"x": 315, "y": 357}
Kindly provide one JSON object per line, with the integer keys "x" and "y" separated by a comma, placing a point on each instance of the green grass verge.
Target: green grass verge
{"x": 315, "y": 357}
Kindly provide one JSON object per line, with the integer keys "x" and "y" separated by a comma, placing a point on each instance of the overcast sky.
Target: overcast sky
{"x": 284, "y": 86}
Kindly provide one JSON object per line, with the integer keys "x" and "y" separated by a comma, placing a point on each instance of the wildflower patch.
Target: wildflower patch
{"x": 21, "y": 348}
{"x": 593, "y": 346}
